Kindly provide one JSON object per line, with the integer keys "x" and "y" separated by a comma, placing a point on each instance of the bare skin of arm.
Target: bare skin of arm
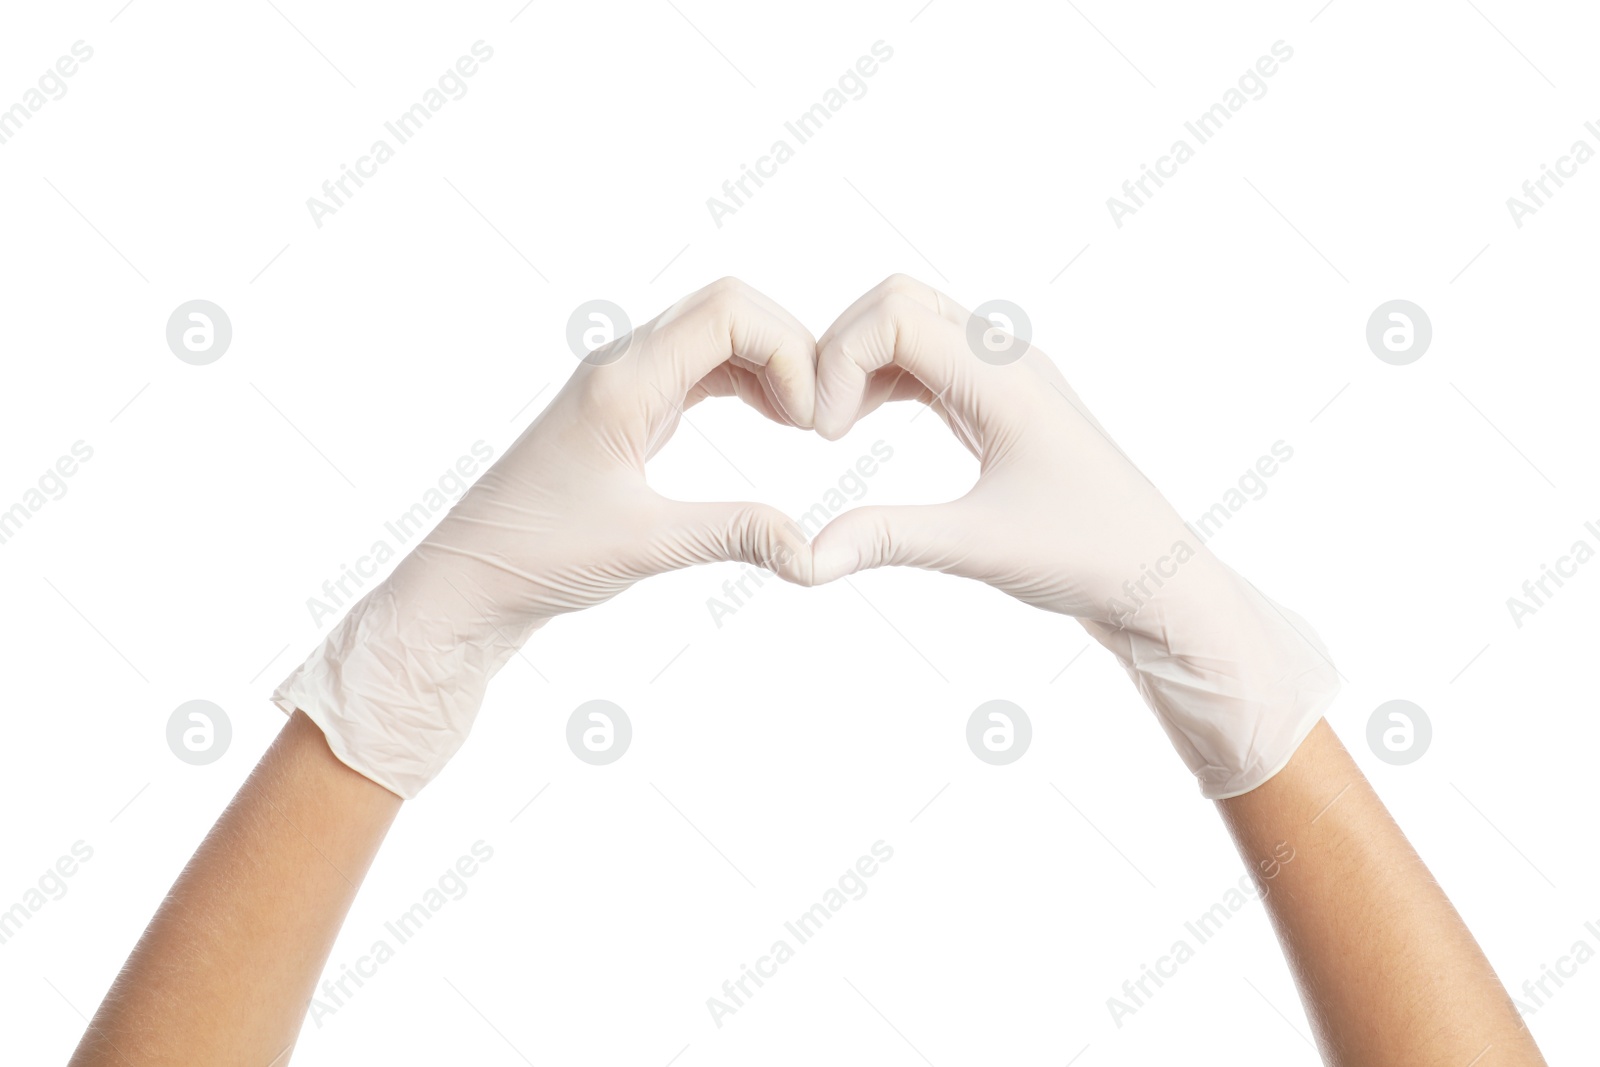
{"x": 1388, "y": 971}
{"x": 226, "y": 968}
{"x": 564, "y": 519}
{"x": 1386, "y": 968}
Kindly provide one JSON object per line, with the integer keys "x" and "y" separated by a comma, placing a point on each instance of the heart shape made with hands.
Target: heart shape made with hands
{"x": 1059, "y": 518}
{"x": 1058, "y": 511}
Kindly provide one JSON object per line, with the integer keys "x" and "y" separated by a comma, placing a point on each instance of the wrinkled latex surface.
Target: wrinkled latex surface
{"x": 1060, "y": 518}
{"x": 562, "y": 521}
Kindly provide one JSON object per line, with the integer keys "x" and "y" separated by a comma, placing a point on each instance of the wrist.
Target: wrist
{"x": 395, "y": 687}
{"x": 1236, "y": 680}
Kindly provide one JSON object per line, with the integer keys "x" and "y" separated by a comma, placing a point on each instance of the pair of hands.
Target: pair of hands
{"x": 1059, "y": 518}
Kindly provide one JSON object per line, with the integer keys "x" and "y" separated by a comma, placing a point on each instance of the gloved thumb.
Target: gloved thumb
{"x": 917, "y": 535}
{"x": 757, "y": 534}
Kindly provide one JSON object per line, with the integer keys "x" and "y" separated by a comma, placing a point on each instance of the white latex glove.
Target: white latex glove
{"x": 561, "y": 522}
{"x": 1060, "y": 518}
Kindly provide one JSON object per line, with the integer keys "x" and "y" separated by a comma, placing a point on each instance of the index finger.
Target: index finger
{"x": 729, "y": 322}
{"x": 900, "y": 322}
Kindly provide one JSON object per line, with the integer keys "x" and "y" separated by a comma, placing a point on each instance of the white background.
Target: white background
{"x": 1227, "y": 315}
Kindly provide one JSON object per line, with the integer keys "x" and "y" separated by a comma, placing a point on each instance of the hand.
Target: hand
{"x": 1061, "y": 518}
{"x": 563, "y": 521}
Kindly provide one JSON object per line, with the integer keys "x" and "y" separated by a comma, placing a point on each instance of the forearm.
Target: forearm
{"x": 1387, "y": 969}
{"x": 560, "y": 522}
{"x": 225, "y": 970}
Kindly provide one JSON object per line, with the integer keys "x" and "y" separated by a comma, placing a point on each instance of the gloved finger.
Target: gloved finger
{"x": 780, "y": 312}
{"x": 728, "y": 321}
{"x": 935, "y": 537}
{"x": 905, "y": 324}
{"x": 769, "y": 376}
{"x": 733, "y": 380}
{"x": 757, "y": 534}
{"x": 904, "y": 285}
{"x": 892, "y": 385}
